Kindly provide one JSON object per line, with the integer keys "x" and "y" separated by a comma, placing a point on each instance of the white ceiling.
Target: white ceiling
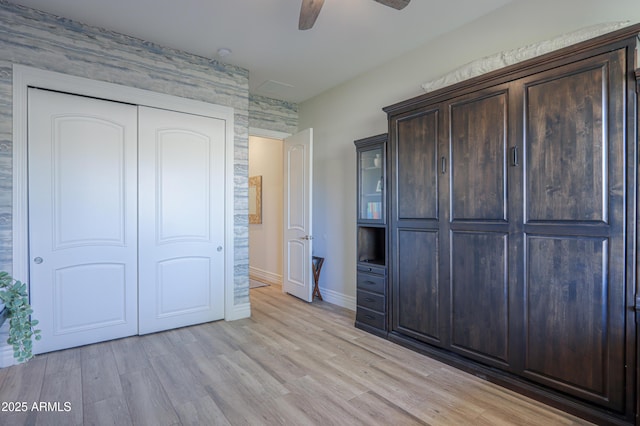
{"x": 349, "y": 37}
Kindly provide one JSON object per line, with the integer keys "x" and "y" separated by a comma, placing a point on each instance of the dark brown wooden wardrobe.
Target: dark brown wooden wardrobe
{"x": 512, "y": 227}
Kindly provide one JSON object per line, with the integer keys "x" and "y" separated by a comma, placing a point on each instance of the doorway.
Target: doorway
{"x": 295, "y": 239}
{"x": 265, "y": 237}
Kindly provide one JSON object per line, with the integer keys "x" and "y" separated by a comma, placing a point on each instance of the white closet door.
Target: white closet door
{"x": 181, "y": 219}
{"x": 82, "y": 219}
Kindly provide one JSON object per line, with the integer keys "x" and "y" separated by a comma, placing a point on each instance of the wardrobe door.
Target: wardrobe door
{"x": 417, "y": 217}
{"x": 181, "y": 222}
{"x": 479, "y": 226}
{"x": 574, "y": 232}
{"x": 82, "y": 219}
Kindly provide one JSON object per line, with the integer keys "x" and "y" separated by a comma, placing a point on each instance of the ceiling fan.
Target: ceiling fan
{"x": 311, "y": 8}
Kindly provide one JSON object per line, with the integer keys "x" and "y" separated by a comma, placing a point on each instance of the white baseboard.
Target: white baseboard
{"x": 339, "y": 299}
{"x": 6, "y": 356}
{"x": 238, "y": 312}
{"x": 264, "y": 276}
{"x": 6, "y": 350}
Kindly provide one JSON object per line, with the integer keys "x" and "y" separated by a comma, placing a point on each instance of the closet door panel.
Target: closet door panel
{"x": 479, "y": 295}
{"x": 574, "y": 229}
{"x": 416, "y": 225}
{"x": 567, "y": 285}
{"x": 181, "y": 225}
{"x": 567, "y": 148}
{"x": 478, "y": 170}
{"x": 82, "y": 219}
{"x": 418, "y": 293}
{"x": 479, "y": 227}
{"x": 417, "y": 166}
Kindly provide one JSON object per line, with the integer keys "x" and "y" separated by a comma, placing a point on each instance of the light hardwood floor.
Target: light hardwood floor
{"x": 291, "y": 363}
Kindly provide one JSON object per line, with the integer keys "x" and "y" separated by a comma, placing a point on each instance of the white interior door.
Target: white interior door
{"x": 181, "y": 224}
{"x": 82, "y": 219}
{"x": 298, "y": 156}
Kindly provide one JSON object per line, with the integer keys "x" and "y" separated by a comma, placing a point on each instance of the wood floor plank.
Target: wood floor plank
{"x": 62, "y": 396}
{"x": 345, "y": 348}
{"x": 129, "y": 354}
{"x": 156, "y": 344}
{"x": 23, "y": 382}
{"x": 282, "y": 411}
{"x": 291, "y": 363}
{"x": 275, "y": 362}
{"x": 3, "y": 374}
{"x": 178, "y": 381}
{"x": 390, "y": 350}
{"x": 255, "y": 382}
{"x": 147, "y": 401}
{"x": 202, "y": 411}
{"x": 382, "y": 382}
{"x": 181, "y": 336}
{"x": 23, "y": 385}
{"x": 61, "y": 361}
{"x": 100, "y": 376}
{"x": 235, "y": 405}
{"x": 213, "y": 340}
{"x": 107, "y": 412}
{"x": 263, "y": 332}
{"x": 333, "y": 380}
{"x": 382, "y": 411}
{"x": 322, "y": 407}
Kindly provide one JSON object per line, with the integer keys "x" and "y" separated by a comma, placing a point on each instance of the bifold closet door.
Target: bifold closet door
{"x": 82, "y": 219}
{"x": 181, "y": 219}
{"x": 126, "y": 219}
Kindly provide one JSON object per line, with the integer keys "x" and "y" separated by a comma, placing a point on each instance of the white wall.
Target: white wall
{"x": 265, "y": 239}
{"x": 353, "y": 110}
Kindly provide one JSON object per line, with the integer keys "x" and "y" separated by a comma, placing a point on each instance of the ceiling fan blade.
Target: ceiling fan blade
{"x": 396, "y": 4}
{"x": 308, "y": 13}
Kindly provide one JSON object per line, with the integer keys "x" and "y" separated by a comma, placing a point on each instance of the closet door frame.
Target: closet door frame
{"x": 25, "y": 77}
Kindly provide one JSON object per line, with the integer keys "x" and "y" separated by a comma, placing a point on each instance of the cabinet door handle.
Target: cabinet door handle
{"x": 443, "y": 164}
{"x": 514, "y": 156}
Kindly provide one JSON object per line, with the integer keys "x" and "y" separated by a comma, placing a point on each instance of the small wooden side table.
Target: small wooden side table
{"x": 316, "y": 266}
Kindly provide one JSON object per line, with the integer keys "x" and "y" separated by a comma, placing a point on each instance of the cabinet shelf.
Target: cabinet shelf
{"x": 377, "y": 262}
{"x": 371, "y": 153}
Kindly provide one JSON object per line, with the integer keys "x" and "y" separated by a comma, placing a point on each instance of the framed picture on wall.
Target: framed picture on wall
{"x": 255, "y": 199}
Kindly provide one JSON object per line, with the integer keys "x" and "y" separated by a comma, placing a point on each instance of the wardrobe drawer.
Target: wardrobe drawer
{"x": 372, "y": 268}
{"x": 371, "y": 301}
{"x": 372, "y": 318}
{"x": 370, "y": 282}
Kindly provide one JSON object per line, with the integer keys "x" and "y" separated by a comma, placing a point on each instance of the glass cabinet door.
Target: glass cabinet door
{"x": 371, "y": 184}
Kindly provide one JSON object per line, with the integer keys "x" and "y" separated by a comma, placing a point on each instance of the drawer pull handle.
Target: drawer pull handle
{"x": 368, "y": 299}
{"x": 369, "y": 317}
{"x": 370, "y": 283}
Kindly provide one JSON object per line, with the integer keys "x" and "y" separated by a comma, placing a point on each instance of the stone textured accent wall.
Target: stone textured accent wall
{"x": 44, "y": 41}
{"x": 272, "y": 114}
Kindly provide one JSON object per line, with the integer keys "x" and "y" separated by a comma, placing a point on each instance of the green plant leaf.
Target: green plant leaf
{"x": 14, "y": 295}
